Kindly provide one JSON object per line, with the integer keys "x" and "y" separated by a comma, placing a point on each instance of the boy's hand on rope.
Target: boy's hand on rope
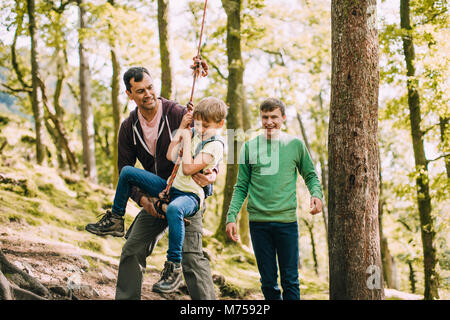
{"x": 200, "y": 67}
{"x": 186, "y": 121}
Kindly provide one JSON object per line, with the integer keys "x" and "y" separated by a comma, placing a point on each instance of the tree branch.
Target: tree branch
{"x": 276, "y": 54}
{"x": 13, "y": 90}
{"x": 14, "y": 62}
{"x": 62, "y": 6}
{"x": 215, "y": 67}
{"x": 442, "y": 156}
{"x": 429, "y": 128}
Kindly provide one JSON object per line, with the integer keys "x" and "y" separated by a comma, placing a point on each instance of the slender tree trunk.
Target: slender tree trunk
{"x": 322, "y": 155}
{"x": 244, "y": 228}
{"x": 164, "y": 49}
{"x": 423, "y": 192}
{"x": 115, "y": 90}
{"x": 38, "y": 112}
{"x": 235, "y": 100}
{"x": 58, "y": 110}
{"x": 353, "y": 235}
{"x": 389, "y": 273}
{"x": 87, "y": 117}
{"x": 444, "y": 128}
{"x": 58, "y": 117}
{"x": 323, "y": 171}
{"x": 412, "y": 277}
{"x": 57, "y": 131}
{"x": 305, "y": 137}
{"x": 310, "y": 227}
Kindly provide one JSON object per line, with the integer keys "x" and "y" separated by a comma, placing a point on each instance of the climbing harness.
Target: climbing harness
{"x": 199, "y": 68}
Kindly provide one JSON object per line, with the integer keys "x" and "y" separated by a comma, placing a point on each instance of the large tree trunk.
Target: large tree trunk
{"x": 423, "y": 192}
{"x": 87, "y": 118}
{"x": 38, "y": 112}
{"x": 164, "y": 49}
{"x": 235, "y": 100}
{"x": 353, "y": 235}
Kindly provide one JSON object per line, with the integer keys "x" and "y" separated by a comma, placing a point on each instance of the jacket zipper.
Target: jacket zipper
{"x": 136, "y": 132}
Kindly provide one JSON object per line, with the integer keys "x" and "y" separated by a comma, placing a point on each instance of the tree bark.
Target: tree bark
{"x": 423, "y": 192}
{"x": 38, "y": 112}
{"x": 235, "y": 100}
{"x": 353, "y": 235}
{"x": 32, "y": 289}
{"x": 310, "y": 227}
{"x": 59, "y": 112}
{"x": 164, "y": 49}
{"x": 115, "y": 90}
{"x": 444, "y": 127}
{"x": 244, "y": 227}
{"x": 412, "y": 277}
{"x": 87, "y": 118}
{"x": 58, "y": 131}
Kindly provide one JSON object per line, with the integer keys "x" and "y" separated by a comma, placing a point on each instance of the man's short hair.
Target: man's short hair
{"x": 134, "y": 72}
{"x": 210, "y": 109}
{"x": 271, "y": 104}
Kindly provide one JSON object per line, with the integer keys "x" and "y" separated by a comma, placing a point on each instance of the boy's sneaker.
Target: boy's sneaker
{"x": 110, "y": 224}
{"x": 171, "y": 278}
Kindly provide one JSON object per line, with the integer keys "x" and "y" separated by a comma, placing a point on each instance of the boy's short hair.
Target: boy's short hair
{"x": 271, "y": 104}
{"x": 134, "y": 72}
{"x": 210, "y": 109}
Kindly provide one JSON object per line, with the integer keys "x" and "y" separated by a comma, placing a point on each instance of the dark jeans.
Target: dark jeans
{"x": 272, "y": 240}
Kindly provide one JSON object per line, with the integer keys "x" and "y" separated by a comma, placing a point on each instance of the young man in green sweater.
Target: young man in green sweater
{"x": 268, "y": 167}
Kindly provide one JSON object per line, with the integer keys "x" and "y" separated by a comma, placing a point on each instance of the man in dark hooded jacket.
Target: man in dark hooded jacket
{"x": 145, "y": 136}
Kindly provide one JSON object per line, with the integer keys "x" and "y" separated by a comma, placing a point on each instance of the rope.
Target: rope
{"x": 198, "y": 66}
{"x": 199, "y": 69}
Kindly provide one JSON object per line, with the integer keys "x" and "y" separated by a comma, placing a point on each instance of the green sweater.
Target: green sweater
{"x": 268, "y": 175}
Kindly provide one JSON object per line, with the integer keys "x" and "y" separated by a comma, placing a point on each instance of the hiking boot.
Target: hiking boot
{"x": 171, "y": 278}
{"x": 110, "y": 224}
